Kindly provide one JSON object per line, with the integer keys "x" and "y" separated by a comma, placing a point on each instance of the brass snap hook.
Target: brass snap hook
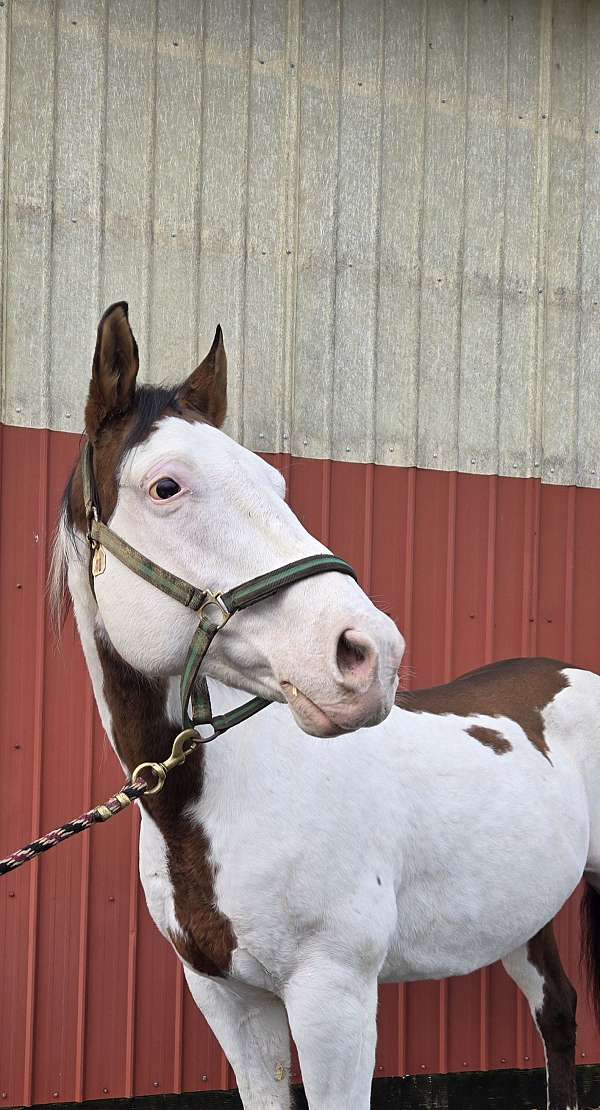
{"x": 179, "y": 754}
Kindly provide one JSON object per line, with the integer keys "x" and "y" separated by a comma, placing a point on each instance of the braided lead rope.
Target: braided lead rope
{"x": 130, "y": 792}
{"x": 184, "y": 744}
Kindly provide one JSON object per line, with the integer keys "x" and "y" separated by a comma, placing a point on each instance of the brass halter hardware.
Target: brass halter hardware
{"x": 179, "y": 754}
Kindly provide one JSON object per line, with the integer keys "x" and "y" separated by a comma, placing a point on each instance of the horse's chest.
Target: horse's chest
{"x": 178, "y": 880}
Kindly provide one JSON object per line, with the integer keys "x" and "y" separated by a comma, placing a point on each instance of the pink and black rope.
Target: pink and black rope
{"x": 71, "y": 828}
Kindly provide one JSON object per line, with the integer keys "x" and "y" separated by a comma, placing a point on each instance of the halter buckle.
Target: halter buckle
{"x": 219, "y": 608}
{"x": 98, "y": 561}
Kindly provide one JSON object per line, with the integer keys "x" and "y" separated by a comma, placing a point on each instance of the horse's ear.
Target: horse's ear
{"x": 206, "y": 387}
{"x": 114, "y": 369}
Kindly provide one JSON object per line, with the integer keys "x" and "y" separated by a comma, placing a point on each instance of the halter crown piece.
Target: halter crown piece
{"x": 214, "y": 609}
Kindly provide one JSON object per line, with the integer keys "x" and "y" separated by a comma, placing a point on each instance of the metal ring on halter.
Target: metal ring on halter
{"x": 215, "y": 600}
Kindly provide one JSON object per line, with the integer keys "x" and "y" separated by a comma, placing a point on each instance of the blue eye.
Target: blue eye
{"x": 164, "y": 488}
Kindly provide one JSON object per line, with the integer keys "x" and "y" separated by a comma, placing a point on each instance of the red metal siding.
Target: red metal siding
{"x": 473, "y": 568}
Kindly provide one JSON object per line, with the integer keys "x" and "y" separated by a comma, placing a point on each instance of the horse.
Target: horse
{"x": 350, "y": 833}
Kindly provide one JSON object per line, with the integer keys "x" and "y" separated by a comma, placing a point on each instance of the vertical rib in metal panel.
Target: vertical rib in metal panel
{"x": 443, "y": 234}
{"x": 128, "y": 170}
{"x": 402, "y": 171}
{"x": 314, "y": 348}
{"x": 563, "y": 263}
{"x": 587, "y": 455}
{"x": 520, "y": 357}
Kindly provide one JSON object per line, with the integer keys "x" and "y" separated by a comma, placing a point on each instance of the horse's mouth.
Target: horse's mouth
{"x": 311, "y": 719}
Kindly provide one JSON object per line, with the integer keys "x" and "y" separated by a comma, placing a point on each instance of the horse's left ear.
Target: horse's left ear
{"x": 206, "y": 388}
{"x": 114, "y": 369}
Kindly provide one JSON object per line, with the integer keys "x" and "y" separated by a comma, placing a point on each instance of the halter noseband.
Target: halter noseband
{"x": 214, "y": 609}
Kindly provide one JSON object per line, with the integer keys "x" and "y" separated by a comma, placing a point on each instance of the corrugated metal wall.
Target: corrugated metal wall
{"x": 472, "y": 567}
{"x": 392, "y": 208}
{"x": 392, "y": 204}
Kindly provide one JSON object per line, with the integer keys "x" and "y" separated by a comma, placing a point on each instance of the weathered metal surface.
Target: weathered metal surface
{"x": 391, "y": 208}
{"x": 472, "y": 568}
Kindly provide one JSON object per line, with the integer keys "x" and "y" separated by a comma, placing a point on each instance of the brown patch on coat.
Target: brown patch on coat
{"x": 519, "y": 689}
{"x": 556, "y": 1019}
{"x": 490, "y": 739}
{"x": 144, "y": 733}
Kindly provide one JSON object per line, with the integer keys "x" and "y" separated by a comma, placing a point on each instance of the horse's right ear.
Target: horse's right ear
{"x": 114, "y": 369}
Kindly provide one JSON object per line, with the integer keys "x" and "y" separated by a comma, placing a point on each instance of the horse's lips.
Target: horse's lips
{"x": 308, "y": 715}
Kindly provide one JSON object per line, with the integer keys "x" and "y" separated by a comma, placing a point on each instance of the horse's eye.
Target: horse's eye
{"x": 164, "y": 488}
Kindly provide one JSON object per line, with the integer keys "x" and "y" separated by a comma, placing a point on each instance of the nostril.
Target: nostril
{"x": 356, "y": 658}
{"x": 349, "y": 655}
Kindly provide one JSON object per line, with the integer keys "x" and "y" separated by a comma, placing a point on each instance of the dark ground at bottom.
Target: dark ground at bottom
{"x": 496, "y": 1090}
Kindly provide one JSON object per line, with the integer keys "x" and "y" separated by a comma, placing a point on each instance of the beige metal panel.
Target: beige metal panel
{"x": 4, "y": 113}
{"x": 224, "y": 186}
{"x": 443, "y": 234}
{"x": 563, "y": 262}
{"x": 400, "y": 236}
{"x": 78, "y": 170}
{"x": 126, "y": 256}
{"x": 270, "y": 235}
{"x": 314, "y": 347}
{"x": 485, "y": 183}
{"x": 27, "y": 264}
{"x": 357, "y": 231}
{"x": 524, "y": 236}
{"x": 176, "y": 173}
{"x": 588, "y": 377}
{"x": 392, "y": 209}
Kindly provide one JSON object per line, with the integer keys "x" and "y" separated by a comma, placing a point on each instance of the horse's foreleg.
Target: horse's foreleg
{"x": 537, "y": 970}
{"x": 332, "y": 1010}
{"x": 251, "y": 1027}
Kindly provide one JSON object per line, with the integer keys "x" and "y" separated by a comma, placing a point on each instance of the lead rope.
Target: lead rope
{"x": 136, "y": 787}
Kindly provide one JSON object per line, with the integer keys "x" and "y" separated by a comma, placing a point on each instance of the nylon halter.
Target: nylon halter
{"x": 214, "y": 609}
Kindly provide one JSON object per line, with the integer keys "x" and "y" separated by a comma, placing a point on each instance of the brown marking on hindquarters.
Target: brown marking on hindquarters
{"x": 490, "y": 739}
{"x": 556, "y": 1019}
{"x": 519, "y": 689}
{"x": 142, "y": 732}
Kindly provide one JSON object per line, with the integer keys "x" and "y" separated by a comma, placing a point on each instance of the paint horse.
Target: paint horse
{"x": 292, "y": 868}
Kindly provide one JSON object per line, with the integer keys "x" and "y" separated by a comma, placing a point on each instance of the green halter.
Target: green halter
{"x": 214, "y": 609}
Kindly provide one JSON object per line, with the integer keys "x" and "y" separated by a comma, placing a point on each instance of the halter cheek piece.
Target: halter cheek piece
{"x": 214, "y": 610}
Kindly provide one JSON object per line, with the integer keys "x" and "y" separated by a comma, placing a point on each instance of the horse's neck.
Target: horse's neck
{"x": 141, "y": 715}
